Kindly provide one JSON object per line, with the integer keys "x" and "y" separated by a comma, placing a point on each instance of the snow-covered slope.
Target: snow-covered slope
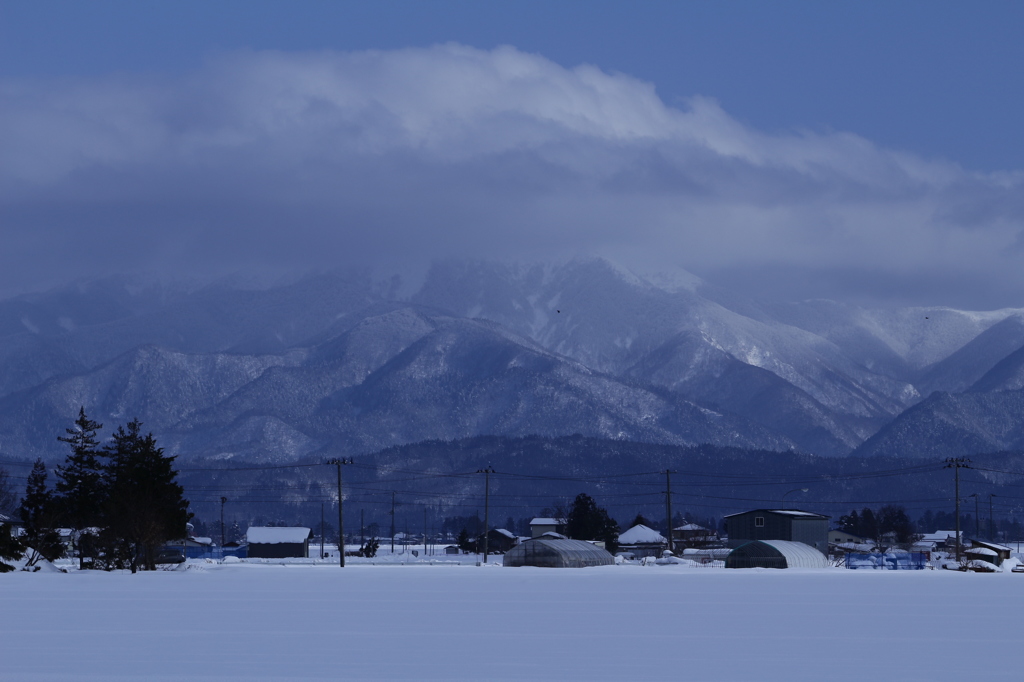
{"x": 585, "y": 346}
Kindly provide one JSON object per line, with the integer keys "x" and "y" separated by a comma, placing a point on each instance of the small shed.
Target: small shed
{"x": 451, "y": 549}
{"x": 278, "y": 542}
{"x": 775, "y": 554}
{"x": 557, "y": 553}
{"x": 989, "y": 551}
{"x": 499, "y": 541}
{"x": 642, "y": 541}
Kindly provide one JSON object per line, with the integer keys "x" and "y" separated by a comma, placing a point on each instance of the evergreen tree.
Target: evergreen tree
{"x": 80, "y": 483}
{"x": 868, "y": 524}
{"x": 587, "y": 521}
{"x": 893, "y": 519}
{"x": 850, "y": 523}
{"x": 7, "y": 495}
{"x": 145, "y": 505}
{"x": 11, "y": 548}
{"x": 640, "y": 520}
{"x": 38, "y": 513}
{"x": 465, "y": 543}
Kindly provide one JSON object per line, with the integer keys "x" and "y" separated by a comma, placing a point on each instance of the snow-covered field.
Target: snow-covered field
{"x": 279, "y": 622}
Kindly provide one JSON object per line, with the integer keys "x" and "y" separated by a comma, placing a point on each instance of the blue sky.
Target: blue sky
{"x": 863, "y": 150}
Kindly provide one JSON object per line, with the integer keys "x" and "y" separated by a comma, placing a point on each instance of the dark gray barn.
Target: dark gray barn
{"x": 278, "y": 542}
{"x": 778, "y": 524}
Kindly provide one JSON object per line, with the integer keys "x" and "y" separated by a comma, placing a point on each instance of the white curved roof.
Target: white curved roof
{"x": 798, "y": 555}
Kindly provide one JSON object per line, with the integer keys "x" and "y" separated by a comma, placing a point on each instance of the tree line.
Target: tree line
{"x": 120, "y": 500}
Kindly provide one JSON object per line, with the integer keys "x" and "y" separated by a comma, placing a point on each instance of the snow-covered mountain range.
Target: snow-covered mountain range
{"x": 349, "y": 363}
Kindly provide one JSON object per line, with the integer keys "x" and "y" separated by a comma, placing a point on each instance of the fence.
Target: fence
{"x": 910, "y": 561}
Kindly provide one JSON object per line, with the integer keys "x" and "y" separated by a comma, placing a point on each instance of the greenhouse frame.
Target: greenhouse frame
{"x": 557, "y": 553}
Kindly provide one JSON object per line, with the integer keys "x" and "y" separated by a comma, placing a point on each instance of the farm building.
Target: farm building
{"x": 693, "y": 535}
{"x": 841, "y": 537}
{"x": 278, "y": 542}
{"x": 542, "y": 525}
{"x": 641, "y": 541}
{"x": 988, "y": 551}
{"x": 557, "y": 553}
{"x": 778, "y": 524}
{"x": 775, "y": 554}
{"x": 499, "y": 541}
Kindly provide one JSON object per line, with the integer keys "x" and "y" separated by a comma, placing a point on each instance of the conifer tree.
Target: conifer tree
{"x": 587, "y": 521}
{"x": 11, "y": 548}
{"x": 38, "y": 513}
{"x": 80, "y": 483}
{"x": 145, "y": 505}
{"x": 8, "y": 497}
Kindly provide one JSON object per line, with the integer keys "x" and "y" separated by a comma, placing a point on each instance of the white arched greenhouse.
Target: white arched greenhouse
{"x": 775, "y": 554}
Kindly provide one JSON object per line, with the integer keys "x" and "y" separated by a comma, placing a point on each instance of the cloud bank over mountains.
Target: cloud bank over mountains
{"x": 281, "y": 161}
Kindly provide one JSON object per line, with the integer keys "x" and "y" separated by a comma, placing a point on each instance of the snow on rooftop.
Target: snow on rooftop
{"x": 793, "y": 512}
{"x": 690, "y": 526}
{"x": 540, "y": 521}
{"x": 641, "y": 534}
{"x": 984, "y": 551}
{"x": 505, "y": 533}
{"x": 786, "y": 512}
{"x": 939, "y": 536}
{"x": 276, "y": 535}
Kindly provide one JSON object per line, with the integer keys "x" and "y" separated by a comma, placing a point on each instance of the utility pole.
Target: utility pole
{"x": 991, "y": 522}
{"x": 321, "y": 530}
{"x": 222, "y": 501}
{"x": 977, "y": 516}
{"x": 341, "y": 515}
{"x": 487, "y": 471}
{"x": 958, "y": 463}
{"x": 362, "y": 529}
{"x": 392, "y": 522}
{"x": 424, "y": 531}
{"x": 668, "y": 507}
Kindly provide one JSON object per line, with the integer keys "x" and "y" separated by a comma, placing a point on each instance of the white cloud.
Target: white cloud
{"x": 278, "y": 159}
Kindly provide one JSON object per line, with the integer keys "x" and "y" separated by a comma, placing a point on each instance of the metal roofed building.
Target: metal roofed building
{"x": 541, "y": 525}
{"x": 557, "y": 553}
{"x": 278, "y": 542}
{"x": 775, "y": 554}
{"x": 792, "y": 525}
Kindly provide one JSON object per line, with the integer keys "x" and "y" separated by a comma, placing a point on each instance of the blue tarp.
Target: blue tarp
{"x": 911, "y": 561}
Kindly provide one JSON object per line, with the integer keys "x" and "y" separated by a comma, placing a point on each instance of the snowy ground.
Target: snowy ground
{"x": 271, "y": 621}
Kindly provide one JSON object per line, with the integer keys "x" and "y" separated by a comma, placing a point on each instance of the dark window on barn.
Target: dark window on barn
{"x": 759, "y": 521}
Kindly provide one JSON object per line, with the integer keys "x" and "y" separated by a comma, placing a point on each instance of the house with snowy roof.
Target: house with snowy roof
{"x": 940, "y": 540}
{"x": 278, "y": 542}
{"x": 642, "y": 541}
{"x": 499, "y": 541}
{"x": 694, "y": 535}
{"x": 542, "y": 525}
{"x": 793, "y": 525}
